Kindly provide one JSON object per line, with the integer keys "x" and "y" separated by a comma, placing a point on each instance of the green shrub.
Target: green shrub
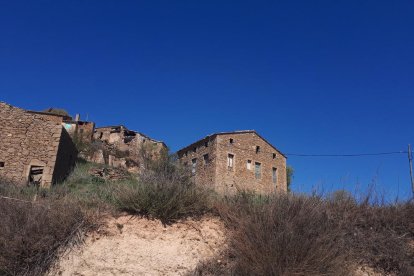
{"x": 166, "y": 192}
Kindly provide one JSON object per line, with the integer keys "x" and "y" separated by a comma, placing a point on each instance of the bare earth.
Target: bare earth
{"x": 136, "y": 246}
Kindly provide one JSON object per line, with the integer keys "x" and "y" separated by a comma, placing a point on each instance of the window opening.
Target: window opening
{"x": 274, "y": 175}
{"x": 230, "y": 161}
{"x": 193, "y": 165}
{"x": 258, "y": 170}
{"x": 206, "y": 159}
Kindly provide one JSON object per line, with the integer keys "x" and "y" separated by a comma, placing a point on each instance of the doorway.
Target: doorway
{"x": 35, "y": 176}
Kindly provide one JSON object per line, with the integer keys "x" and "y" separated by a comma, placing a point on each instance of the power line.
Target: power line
{"x": 346, "y": 155}
{"x": 325, "y": 155}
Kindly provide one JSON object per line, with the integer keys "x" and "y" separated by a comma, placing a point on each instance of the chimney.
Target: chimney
{"x": 77, "y": 117}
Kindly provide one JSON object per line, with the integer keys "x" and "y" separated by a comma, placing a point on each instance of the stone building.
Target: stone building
{"x": 78, "y": 129}
{"x": 233, "y": 161}
{"x": 34, "y": 147}
{"x": 118, "y": 146}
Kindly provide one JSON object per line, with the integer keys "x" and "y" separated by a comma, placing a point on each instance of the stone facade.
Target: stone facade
{"x": 124, "y": 148}
{"x": 234, "y": 161}
{"x": 34, "y": 147}
{"x": 82, "y": 130}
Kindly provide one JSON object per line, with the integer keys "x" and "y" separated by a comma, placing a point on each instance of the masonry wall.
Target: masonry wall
{"x": 125, "y": 148}
{"x": 205, "y": 172}
{"x": 230, "y": 180}
{"x": 227, "y": 180}
{"x": 27, "y": 139}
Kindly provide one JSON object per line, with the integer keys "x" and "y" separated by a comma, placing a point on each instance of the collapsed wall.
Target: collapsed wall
{"x": 120, "y": 147}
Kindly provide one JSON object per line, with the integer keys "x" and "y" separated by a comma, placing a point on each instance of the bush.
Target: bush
{"x": 33, "y": 233}
{"x": 165, "y": 192}
{"x": 302, "y": 235}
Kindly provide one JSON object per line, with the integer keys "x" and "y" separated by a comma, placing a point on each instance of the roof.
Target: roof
{"x": 47, "y": 113}
{"x": 212, "y": 136}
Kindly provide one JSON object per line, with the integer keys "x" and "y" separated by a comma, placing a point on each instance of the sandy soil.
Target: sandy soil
{"x": 136, "y": 246}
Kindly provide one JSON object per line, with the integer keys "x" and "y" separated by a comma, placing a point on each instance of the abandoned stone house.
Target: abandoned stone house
{"x": 34, "y": 147}
{"x": 82, "y": 130}
{"x": 117, "y": 146}
{"x": 76, "y": 128}
{"x": 233, "y": 161}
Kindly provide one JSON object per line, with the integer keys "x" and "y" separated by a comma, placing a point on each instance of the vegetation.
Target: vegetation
{"x": 57, "y": 111}
{"x": 284, "y": 234}
{"x": 32, "y": 233}
{"x": 314, "y": 235}
{"x": 289, "y": 177}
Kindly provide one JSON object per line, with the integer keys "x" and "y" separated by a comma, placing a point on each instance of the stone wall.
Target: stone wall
{"x": 124, "y": 148}
{"x": 205, "y": 169}
{"x": 29, "y": 140}
{"x": 242, "y": 146}
{"x": 240, "y": 177}
{"x": 81, "y": 130}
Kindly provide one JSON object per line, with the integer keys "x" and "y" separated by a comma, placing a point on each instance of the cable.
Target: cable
{"x": 345, "y": 155}
{"x": 325, "y": 155}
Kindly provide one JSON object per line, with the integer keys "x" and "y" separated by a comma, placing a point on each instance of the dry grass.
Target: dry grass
{"x": 302, "y": 235}
{"x": 32, "y": 233}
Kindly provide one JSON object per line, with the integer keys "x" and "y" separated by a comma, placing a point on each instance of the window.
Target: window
{"x": 257, "y": 149}
{"x": 274, "y": 175}
{"x": 193, "y": 165}
{"x": 258, "y": 170}
{"x": 206, "y": 144}
{"x": 231, "y": 140}
{"x": 274, "y": 155}
{"x": 206, "y": 159}
{"x": 1, "y": 164}
{"x": 194, "y": 149}
{"x": 230, "y": 161}
{"x": 249, "y": 164}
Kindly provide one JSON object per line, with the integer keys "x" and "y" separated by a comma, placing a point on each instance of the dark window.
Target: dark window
{"x": 257, "y": 149}
{"x": 231, "y": 141}
{"x": 274, "y": 155}
{"x": 1, "y": 164}
{"x": 194, "y": 149}
{"x": 206, "y": 159}
{"x": 258, "y": 170}
{"x": 206, "y": 144}
{"x": 274, "y": 175}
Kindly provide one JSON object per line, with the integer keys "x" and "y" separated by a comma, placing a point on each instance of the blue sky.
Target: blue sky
{"x": 313, "y": 77}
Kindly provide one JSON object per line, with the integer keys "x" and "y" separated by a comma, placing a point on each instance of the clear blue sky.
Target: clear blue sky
{"x": 312, "y": 77}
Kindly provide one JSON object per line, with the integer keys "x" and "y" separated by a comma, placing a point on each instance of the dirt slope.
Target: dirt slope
{"x": 135, "y": 246}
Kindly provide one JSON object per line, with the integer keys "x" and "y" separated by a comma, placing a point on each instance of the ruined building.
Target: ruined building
{"x": 34, "y": 147}
{"x": 232, "y": 161}
{"x": 78, "y": 129}
{"x": 120, "y": 147}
